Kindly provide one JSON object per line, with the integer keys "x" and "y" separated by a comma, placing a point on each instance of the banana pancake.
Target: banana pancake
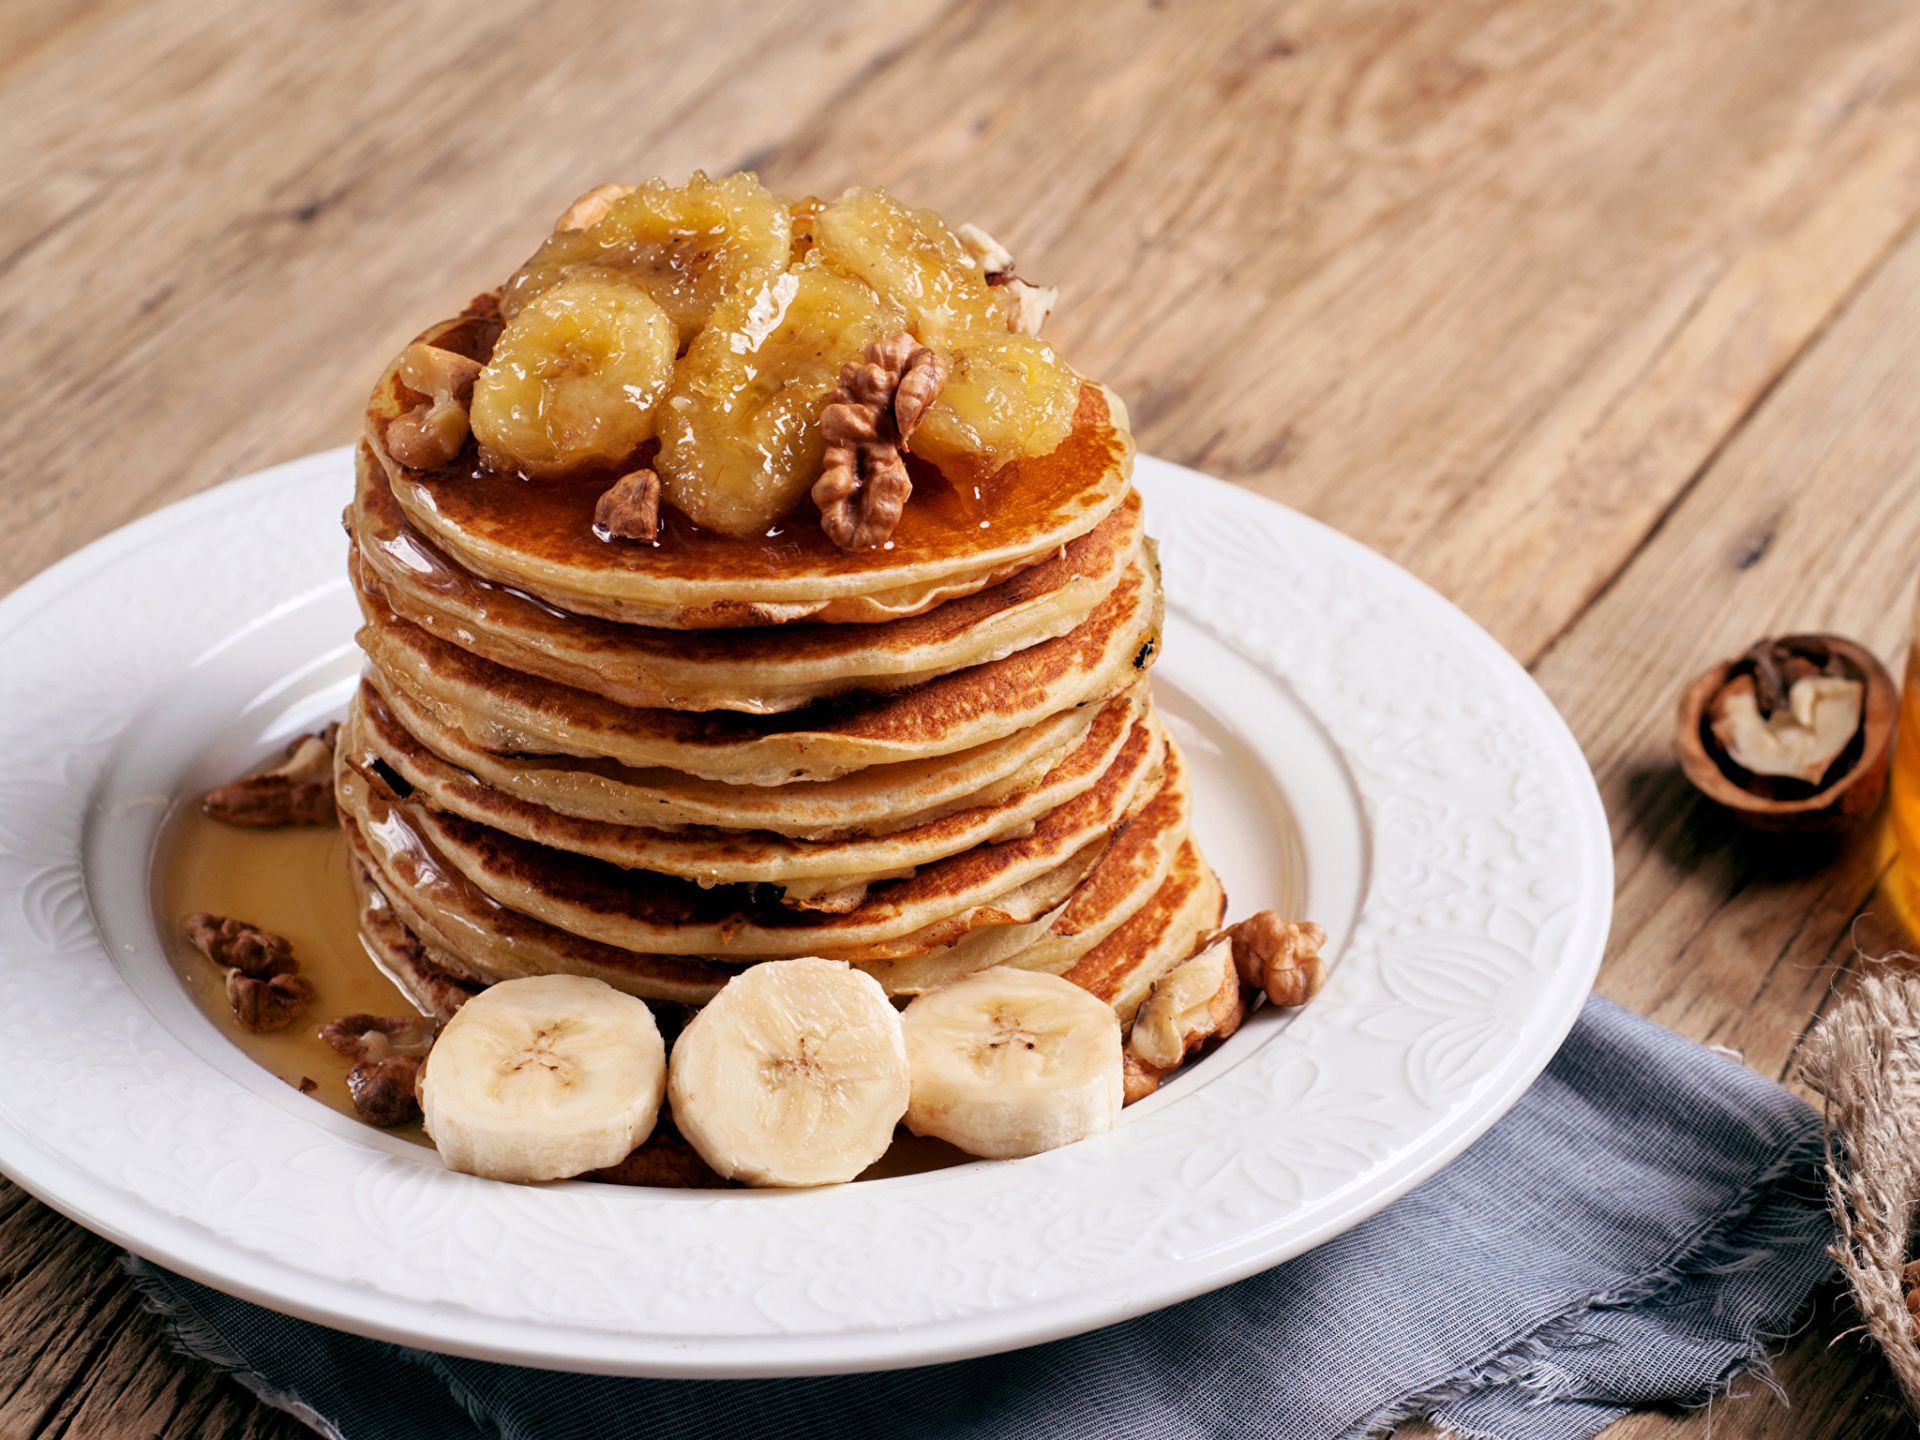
{"x": 435, "y": 982}
{"x": 758, "y": 671}
{"x": 827, "y": 875}
{"x": 452, "y": 916}
{"x": 962, "y": 532}
{"x": 1187, "y": 907}
{"x": 641, "y": 911}
{"x": 502, "y": 710}
{"x": 875, "y": 801}
{"x": 1130, "y": 871}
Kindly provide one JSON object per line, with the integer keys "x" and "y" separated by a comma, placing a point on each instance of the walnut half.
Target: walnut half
{"x": 863, "y": 484}
{"x": 297, "y": 791}
{"x": 1280, "y": 958}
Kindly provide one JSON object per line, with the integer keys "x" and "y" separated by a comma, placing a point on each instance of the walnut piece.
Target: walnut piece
{"x": 863, "y": 485}
{"x": 376, "y": 1037}
{"x": 664, "y": 1161}
{"x": 1028, "y": 306}
{"x": 432, "y": 433}
{"x": 388, "y": 1051}
{"x": 989, "y": 254}
{"x": 262, "y": 986}
{"x": 590, "y": 207}
{"x": 384, "y": 1091}
{"x": 630, "y": 510}
{"x": 1279, "y": 957}
{"x": 235, "y": 945}
{"x": 298, "y": 791}
{"x": 1196, "y": 1001}
{"x": 1798, "y": 739}
{"x": 1137, "y": 1081}
{"x": 270, "y": 1004}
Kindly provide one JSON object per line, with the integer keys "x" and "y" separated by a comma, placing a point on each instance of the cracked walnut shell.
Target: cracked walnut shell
{"x": 1794, "y": 735}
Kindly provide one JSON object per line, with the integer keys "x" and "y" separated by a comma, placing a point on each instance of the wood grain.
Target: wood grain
{"x": 1599, "y": 317}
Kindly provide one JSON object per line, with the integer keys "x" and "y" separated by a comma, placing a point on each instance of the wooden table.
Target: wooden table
{"x": 1605, "y": 319}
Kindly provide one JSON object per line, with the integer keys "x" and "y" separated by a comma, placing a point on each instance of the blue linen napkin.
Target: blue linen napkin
{"x": 1635, "y": 1231}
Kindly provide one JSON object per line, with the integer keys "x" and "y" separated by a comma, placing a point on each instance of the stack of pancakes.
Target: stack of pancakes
{"x": 657, "y": 763}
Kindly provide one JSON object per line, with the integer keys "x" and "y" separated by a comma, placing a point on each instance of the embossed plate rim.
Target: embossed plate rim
{"x": 1492, "y": 890}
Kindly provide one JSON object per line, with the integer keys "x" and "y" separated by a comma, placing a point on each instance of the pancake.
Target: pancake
{"x": 959, "y": 533}
{"x": 499, "y": 709}
{"x": 1169, "y": 928}
{"x": 756, "y": 671}
{"x": 874, "y": 801}
{"x": 641, "y": 911}
{"x": 431, "y": 978}
{"x": 452, "y": 916}
{"x": 820, "y": 874}
{"x": 1130, "y": 871}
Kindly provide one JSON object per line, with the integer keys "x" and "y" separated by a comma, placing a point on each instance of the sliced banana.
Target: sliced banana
{"x": 1012, "y": 1062}
{"x": 575, "y": 378}
{"x": 542, "y": 1078}
{"x": 740, "y": 431}
{"x": 1005, "y": 396}
{"x": 794, "y": 1074}
{"x": 910, "y": 257}
{"x": 686, "y": 245}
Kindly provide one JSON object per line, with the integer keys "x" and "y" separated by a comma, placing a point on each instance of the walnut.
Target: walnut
{"x": 664, "y": 1161}
{"x": 298, "y": 791}
{"x": 1137, "y": 1080}
{"x": 864, "y": 485}
{"x": 1028, "y": 306}
{"x": 388, "y": 1051}
{"x": 235, "y": 945}
{"x": 262, "y": 986}
{"x": 269, "y": 1004}
{"x": 1196, "y": 1001}
{"x": 590, "y": 207}
{"x": 432, "y": 433}
{"x": 630, "y": 510}
{"x": 989, "y": 254}
{"x": 384, "y": 1091}
{"x": 1788, "y": 709}
{"x": 376, "y": 1037}
{"x": 1279, "y": 957}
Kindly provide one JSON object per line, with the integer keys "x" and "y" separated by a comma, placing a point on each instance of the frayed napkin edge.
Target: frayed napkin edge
{"x": 1708, "y": 1249}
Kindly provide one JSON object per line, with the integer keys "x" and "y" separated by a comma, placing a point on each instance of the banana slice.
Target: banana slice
{"x": 1012, "y": 1062}
{"x": 1006, "y": 396}
{"x": 740, "y": 431}
{"x": 542, "y": 1078}
{"x": 686, "y": 245}
{"x": 911, "y": 258}
{"x": 794, "y": 1074}
{"x": 575, "y": 378}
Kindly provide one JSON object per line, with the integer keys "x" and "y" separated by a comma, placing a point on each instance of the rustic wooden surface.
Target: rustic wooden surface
{"x": 1603, "y": 318}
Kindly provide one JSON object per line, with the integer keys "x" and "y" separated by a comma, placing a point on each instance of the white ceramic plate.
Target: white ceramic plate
{"x": 1364, "y": 754}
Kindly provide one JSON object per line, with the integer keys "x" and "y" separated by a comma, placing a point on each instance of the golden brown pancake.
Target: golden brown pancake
{"x": 642, "y": 911}
{"x": 875, "y": 801}
{"x": 756, "y": 670}
{"x": 959, "y": 534}
{"x": 432, "y": 979}
{"x": 826, "y": 875}
{"x": 1187, "y": 907}
{"x": 507, "y": 712}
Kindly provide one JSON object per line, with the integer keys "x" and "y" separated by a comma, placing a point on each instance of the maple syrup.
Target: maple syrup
{"x": 295, "y": 882}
